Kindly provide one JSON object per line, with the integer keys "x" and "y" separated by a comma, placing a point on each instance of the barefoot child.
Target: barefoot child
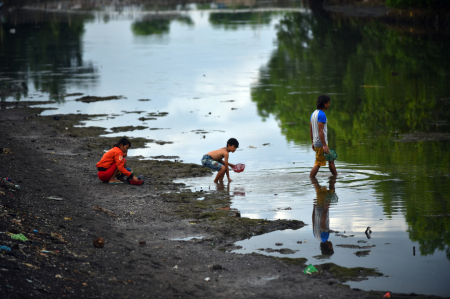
{"x": 318, "y": 132}
{"x": 215, "y": 159}
{"x": 112, "y": 162}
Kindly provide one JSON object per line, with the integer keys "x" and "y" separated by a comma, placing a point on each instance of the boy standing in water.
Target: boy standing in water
{"x": 318, "y": 132}
{"x": 215, "y": 160}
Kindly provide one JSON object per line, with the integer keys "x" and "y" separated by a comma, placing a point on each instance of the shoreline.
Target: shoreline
{"x": 138, "y": 223}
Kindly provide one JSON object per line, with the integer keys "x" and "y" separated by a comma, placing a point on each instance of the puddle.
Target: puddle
{"x": 188, "y": 239}
{"x": 271, "y": 278}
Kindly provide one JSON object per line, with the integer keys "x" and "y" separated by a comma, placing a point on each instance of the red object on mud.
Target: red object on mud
{"x": 387, "y": 295}
{"x": 138, "y": 182}
{"x": 238, "y": 167}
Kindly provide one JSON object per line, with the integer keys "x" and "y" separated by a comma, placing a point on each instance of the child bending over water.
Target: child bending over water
{"x": 218, "y": 160}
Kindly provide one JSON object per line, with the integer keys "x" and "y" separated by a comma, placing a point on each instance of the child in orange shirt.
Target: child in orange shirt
{"x": 112, "y": 162}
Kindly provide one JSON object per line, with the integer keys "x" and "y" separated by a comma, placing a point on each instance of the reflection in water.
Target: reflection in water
{"x": 364, "y": 82}
{"x": 234, "y": 21}
{"x": 220, "y": 186}
{"x": 43, "y": 50}
{"x": 158, "y": 24}
{"x": 151, "y": 25}
{"x": 237, "y": 191}
{"x": 384, "y": 84}
{"x": 320, "y": 215}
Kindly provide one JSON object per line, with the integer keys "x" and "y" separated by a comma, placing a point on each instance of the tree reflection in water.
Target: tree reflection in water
{"x": 45, "y": 50}
{"x": 384, "y": 83}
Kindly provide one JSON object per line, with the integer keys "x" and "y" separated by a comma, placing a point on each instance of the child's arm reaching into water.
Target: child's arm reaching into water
{"x": 226, "y": 166}
{"x": 229, "y": 164}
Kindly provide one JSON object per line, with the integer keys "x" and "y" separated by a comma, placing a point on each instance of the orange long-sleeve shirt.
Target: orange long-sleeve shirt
{"x": 114, "y": 155}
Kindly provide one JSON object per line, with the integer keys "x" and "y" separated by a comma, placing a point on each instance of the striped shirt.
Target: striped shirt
{"x": 317, "y": 117}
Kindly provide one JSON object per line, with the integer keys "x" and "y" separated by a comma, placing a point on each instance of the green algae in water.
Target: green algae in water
{"x": 344, "y": 274}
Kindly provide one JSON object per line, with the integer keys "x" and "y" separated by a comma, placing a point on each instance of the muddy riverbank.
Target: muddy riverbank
{"x": 62, "y": 207}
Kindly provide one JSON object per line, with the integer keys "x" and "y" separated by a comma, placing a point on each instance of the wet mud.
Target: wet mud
{"x": 147, "y": 118}
{"x": 75, "y": 94}
{"x": 71, "y": 125}
{"x": 93, "y": 99}
{"x": 87, "y": 239}
{"x": 137, "y": 112}
{"x": 127, "y": 128}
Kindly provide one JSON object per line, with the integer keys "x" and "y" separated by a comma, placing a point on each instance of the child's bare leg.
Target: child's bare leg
{"x": 113, "y": 178}
{"x": 332, "y": 167}
{"x": 220, "y": 174}
{"x": 314, "y": 171}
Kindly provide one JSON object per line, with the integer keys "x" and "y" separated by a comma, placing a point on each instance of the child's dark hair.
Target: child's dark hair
{"x": 233, "y": 141}
{"x": 326, "y": 248}
{"x": 123, "y": 141}
{"x": 321, "y": 101}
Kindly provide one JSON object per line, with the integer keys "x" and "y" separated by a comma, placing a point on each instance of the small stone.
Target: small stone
{"x": 142, "y": 243}
{"x": 278, "y": 244}
{"x": 287, "y": 251}
{"x": 217, "y": 267}
{"x": 99, "y": 242}
{"x": 14, "y": 231}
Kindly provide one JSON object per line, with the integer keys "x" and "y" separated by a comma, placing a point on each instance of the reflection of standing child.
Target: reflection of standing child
{"x": 318, "y": 131}
{"x": 321, "y": 216}
{"x": 218, "y": 160}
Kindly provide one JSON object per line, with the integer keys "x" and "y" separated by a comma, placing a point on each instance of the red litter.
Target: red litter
{"x": 387, "y": 295}
{"x": 238, "y": 167}
{"x": 138, "y": 182}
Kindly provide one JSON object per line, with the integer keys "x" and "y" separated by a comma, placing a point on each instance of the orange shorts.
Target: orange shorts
{"x": 320, "y": 158}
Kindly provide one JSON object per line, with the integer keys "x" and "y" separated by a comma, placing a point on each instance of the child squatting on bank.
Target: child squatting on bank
{"x": 218, "y": 160}
{"x": 113, "y": 162}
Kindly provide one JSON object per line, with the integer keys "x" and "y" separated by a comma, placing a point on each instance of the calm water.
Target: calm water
{"x": 255, "y": 75}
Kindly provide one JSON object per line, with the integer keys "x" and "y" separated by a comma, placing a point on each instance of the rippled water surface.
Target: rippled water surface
{"x": 209, "y": 75}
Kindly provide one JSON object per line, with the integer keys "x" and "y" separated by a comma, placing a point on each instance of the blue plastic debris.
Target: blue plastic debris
{"x": 5, "y": 248}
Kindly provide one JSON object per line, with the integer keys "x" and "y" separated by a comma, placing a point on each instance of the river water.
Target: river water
{"x": 255, "y": 75}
